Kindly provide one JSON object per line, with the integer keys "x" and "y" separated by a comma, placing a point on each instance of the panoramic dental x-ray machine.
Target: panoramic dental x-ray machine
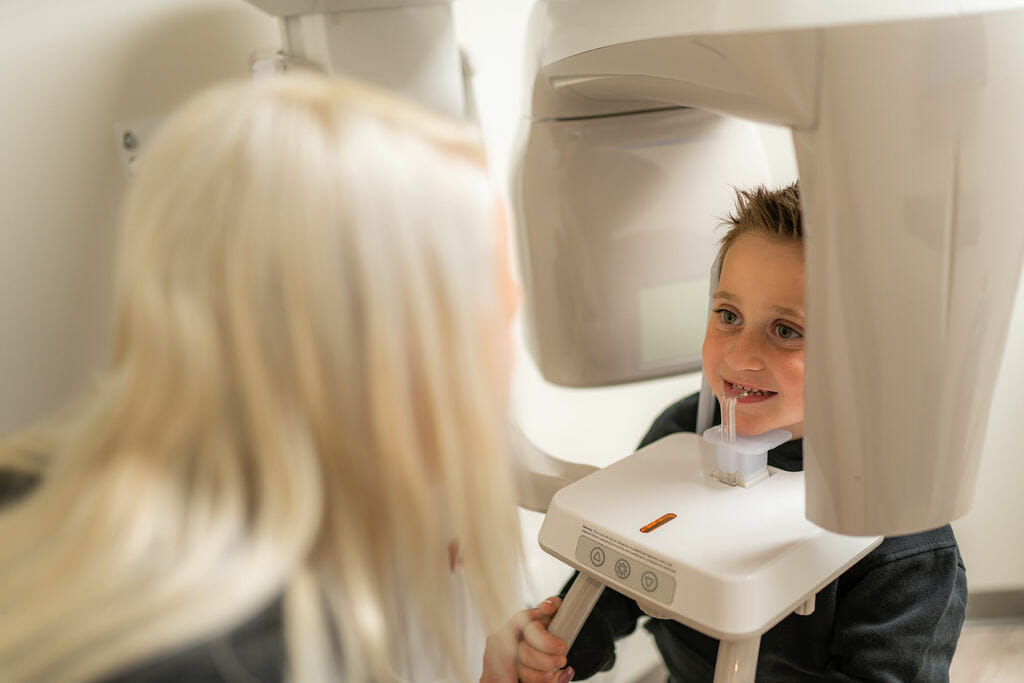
{"x": 905, "y": 119}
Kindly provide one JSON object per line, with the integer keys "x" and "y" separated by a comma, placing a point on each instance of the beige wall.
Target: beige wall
{"x": 72, "y": 71}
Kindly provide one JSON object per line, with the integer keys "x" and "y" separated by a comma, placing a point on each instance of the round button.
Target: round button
{"x": 622, "y": 569}
{"x": 649, "y": 581}
{"x": 597, "y": 557}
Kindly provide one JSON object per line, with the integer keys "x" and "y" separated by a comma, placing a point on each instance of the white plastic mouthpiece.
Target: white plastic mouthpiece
{"x": 741, "y": 460}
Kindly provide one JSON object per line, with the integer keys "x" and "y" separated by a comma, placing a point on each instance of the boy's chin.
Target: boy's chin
{"x": 756, "y": 427}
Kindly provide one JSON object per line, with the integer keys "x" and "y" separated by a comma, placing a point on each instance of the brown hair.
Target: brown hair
{"x": 774, "y": 213}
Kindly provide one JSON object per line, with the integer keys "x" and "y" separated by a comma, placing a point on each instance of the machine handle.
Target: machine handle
{"x": 576, "y": 607}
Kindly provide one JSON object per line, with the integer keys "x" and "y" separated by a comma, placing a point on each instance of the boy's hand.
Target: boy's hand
{"x": 524, "y": 650}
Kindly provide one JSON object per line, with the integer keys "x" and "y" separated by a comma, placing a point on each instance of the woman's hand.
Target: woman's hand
{"x": 524, "y": 651}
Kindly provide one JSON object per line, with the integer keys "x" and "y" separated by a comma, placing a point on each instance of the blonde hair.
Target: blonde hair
{"x": 302, "y": 400}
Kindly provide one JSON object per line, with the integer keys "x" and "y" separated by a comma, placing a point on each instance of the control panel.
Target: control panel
{"x": 628, "y": 571}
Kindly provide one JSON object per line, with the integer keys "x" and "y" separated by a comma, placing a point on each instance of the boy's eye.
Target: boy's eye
{"x": 786, "y": 332}
{"x": 727, "y": 316}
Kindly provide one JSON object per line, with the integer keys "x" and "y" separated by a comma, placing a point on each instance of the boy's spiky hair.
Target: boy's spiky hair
{"x": 774, "y": 213}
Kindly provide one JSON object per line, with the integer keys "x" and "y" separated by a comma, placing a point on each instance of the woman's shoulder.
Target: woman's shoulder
{"x": 253, "y": 652}
{"x": 15, "y": 484}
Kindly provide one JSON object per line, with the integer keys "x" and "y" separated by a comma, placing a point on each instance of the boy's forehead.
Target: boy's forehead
{"x": 760, "y": 240}
{"x": 760, "y": 269}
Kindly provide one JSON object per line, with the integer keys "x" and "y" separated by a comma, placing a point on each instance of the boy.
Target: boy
{"x": 895, "y": 615}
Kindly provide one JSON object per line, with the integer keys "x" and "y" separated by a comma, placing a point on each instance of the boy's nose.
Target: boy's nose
{"x": 745, "y": 352}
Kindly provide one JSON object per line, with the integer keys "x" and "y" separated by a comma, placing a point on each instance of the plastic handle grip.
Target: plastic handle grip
{"x": 575, "y": 608}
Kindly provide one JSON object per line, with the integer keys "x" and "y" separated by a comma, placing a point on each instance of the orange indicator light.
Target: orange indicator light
{"x": 664, "y": 519}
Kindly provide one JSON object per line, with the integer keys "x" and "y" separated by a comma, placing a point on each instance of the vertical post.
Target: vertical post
{"x": 576, "y": 607}
{"x": 737, "y": 660}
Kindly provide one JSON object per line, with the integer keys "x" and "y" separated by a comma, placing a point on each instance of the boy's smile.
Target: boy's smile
{"x": 755, "y": 340}
{"x": 754, "y": 394}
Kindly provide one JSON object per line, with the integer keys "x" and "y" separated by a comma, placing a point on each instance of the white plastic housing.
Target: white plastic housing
{"x": 285, "y": 8}
{"x": 906, "y": 122}
{"x": 406, "y": 45}
{"x": 615, "y": 263}
{"x": 733, "y": 562}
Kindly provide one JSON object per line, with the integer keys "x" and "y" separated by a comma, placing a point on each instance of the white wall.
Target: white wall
{"x": 72, "y": 71}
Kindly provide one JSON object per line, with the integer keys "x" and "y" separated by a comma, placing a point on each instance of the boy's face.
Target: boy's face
{"x": 755, "y": 337}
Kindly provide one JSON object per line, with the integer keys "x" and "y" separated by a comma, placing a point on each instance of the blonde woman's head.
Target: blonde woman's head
{"x": 310, "y": 360}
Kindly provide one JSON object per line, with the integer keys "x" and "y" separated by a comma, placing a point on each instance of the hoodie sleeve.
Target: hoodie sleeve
{"x": 899, "y": 617}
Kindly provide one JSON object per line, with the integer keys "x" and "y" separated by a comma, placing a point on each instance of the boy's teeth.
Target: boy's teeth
{"x": 755, "y": 392}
